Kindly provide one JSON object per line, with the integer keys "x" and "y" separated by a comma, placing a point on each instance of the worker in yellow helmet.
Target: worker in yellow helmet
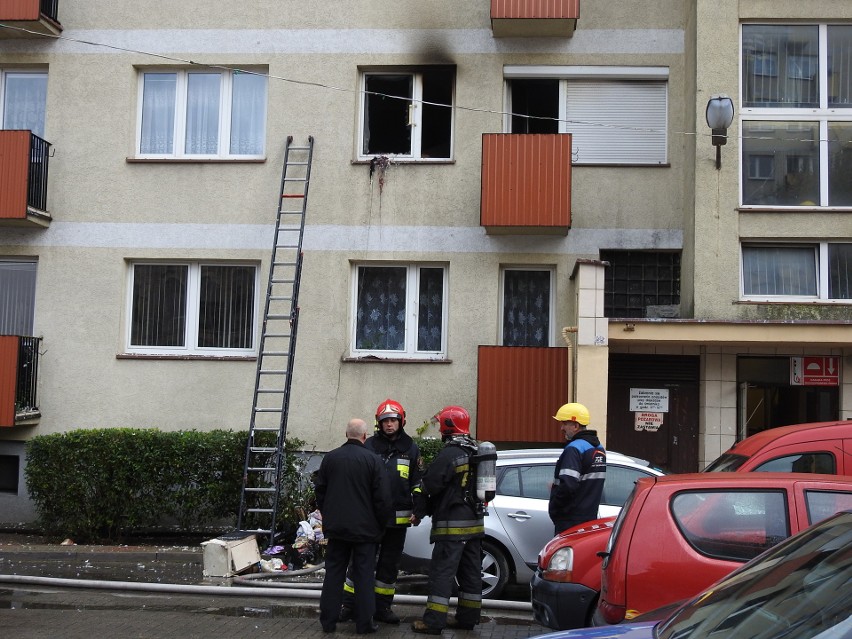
{"x": 578, "y": 479}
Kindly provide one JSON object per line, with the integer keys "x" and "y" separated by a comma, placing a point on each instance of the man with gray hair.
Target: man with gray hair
{"x": 354, "y": 499}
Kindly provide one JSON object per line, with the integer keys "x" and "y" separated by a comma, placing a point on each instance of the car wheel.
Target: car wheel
{"x": 495, "y": 570}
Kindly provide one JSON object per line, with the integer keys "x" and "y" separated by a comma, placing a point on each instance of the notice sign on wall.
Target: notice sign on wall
{"x": 649, "y": 400}
{"x": 815, "y": 371}
{"x": 649, "y": 421}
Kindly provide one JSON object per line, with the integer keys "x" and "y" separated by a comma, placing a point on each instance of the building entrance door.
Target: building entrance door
{"x": 652, "y": 409}
{"x": 768, "y": 399}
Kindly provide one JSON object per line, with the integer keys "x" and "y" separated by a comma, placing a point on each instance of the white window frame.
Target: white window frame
{"x": 4, "y": 73}
{"x": 412, "y": 288}
{"x": 822, "y": 272}
{"x": 551, "y": 320}
{"x": 648, "y": 101}
{"x": 756, "y": 166}
{"x": 179, "y": 131}
{"x": 780, "y": 115}
{"x": 415, "y": 117}
{"x": 192, "y": 311}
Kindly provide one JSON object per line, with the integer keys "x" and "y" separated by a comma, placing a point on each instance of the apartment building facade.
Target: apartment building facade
{"x": 507, "y": 211}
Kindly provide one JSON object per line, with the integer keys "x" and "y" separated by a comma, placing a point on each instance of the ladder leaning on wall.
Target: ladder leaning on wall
{"x": 265, "y": 449}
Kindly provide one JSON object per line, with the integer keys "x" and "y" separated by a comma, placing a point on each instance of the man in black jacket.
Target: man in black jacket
{"x": 401, "y": 458}
{"x": 352, "y": 495}
{"x": 449, "y": 494}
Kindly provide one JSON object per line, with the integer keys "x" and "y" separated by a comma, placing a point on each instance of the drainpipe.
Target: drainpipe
{"x": 566, "y": 335}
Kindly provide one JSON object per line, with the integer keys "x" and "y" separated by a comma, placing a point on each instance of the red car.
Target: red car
{"x": 822, "y": 447}
{"x": 676, "y": 535}
{"x": 680, "y": 533}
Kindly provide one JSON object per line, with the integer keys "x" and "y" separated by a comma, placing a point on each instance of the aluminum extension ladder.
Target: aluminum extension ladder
{"x": 266, "y": 444}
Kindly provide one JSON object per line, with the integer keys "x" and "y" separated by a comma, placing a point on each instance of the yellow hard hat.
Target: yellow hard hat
{"x": 573, "y": 412}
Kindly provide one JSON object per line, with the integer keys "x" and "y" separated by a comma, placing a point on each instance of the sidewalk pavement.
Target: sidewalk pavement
{"x": 59, "y": 611}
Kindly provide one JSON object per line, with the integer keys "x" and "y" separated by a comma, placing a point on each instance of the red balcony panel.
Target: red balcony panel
{"x": 526, "y": 183}
{"x": 8, "y": 378}
{"x": 541, "y": 18}
{"x": 39, "y": 16}
{"x": 14, "y": 171}
{"x": 23, "y": 179}
{"x": 519, "y": 390}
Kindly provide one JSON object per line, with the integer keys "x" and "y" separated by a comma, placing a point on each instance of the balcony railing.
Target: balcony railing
{"x": 50, "y": 8}
{"x": 537, "y": 18}
{"x": 18, "y": 378}
{"x": 526, "y": 183}
{"x": 32, "y": 16}
{"x": 518, "y": 390}
{"x": 23, "y": 179}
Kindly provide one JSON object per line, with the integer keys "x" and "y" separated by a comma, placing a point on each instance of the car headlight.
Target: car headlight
{"x": 561, "y": 565}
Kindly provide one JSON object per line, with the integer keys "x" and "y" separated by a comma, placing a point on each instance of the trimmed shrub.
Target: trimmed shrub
{"x": 107, "y": 483}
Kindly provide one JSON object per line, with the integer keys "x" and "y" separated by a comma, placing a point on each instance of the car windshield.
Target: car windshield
{"x": 795, "y": 591}
{"x": 727, "y": 463}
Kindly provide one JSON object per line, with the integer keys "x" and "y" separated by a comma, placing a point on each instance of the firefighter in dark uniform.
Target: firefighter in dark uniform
{"x": 352, "y": 495}
{"x": 449, "y": 496}
{"x": 579, "y": 476}
{"x": 404, "y": 467}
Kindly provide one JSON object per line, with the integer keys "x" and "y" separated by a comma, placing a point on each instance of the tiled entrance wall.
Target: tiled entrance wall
{"x": 717, "y": 420}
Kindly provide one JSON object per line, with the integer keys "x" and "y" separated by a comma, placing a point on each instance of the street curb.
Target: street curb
{"x": 100, "y": 554}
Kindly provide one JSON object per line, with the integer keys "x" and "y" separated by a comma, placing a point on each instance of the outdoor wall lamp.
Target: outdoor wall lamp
{"x": 719, "y": 114}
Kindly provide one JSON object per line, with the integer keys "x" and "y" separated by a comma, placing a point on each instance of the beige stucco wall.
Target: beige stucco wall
{"x": 719, "y": 223}
{"x": 107, "y": 210}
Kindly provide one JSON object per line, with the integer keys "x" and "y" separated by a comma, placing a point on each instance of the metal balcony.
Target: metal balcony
{"x": 23, "y": 179}
{"x": 526, "y": 183}
{"x": 534, "y": 18}
{"x": 29, "y": 18}
{"x": 18, "y": 379}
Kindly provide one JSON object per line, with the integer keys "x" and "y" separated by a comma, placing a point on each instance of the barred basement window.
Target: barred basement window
{"x": 641, "y": 284}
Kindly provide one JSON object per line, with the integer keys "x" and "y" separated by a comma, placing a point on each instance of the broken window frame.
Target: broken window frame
{"x": 424, "y": 81}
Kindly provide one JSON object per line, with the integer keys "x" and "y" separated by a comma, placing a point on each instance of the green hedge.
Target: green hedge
{"x": 105, "y": 484}
{"x": 429, "y": 448}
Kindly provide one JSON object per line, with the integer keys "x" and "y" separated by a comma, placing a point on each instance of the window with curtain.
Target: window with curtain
{"x": 399, "y": 311}
{"x": 527, "y": 303}
{"x": 202, "y": 113}
{"x": 192, "y": 308}
{"x": 17, "y": 297}
{"x": 23, "y": 95}
{"x": 797, "y": 111}
{"x": 819, "y": 271}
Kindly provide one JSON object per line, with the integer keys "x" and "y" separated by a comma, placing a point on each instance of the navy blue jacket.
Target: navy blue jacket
{"x": 578, "y": 479}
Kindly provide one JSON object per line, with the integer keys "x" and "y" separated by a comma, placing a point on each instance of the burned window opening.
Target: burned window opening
{"x": 409, "y": 114}
{"x": 538, "y": 99}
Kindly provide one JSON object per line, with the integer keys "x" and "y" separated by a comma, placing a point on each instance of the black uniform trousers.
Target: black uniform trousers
{"x": 338, "y": 556}
{"x": 461, "y": 559}
{"x": 387, "y": 569}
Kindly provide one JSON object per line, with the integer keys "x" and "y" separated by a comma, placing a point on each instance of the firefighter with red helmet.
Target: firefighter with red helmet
{"x": 449, "y": 496}
{"x": 402, "y": 461}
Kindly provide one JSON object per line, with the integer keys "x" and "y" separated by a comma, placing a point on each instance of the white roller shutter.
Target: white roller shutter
{"x": 617, "y": 121}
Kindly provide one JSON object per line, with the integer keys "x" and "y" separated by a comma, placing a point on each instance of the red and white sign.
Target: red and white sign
{"x": 649, "y": 421}
{"x": 815, "y": 371}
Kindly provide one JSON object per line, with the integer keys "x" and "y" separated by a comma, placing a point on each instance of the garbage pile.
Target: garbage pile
{"x": 306, "y": 551}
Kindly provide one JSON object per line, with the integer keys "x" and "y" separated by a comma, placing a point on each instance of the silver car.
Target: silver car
{"x": 517, "y": 525}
